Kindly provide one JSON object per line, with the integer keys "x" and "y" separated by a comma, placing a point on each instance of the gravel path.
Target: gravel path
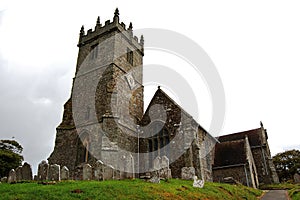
{"x": 276, "y": 195}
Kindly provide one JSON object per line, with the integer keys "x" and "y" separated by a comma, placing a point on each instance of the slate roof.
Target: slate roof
{"x": 230, "y": 153}
{"x": 253, "y": 136}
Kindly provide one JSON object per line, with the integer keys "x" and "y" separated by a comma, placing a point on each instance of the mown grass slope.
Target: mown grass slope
{"x": 126, "y": 189}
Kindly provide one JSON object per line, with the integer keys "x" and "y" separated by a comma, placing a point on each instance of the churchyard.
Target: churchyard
{"x": 125, "y": 189}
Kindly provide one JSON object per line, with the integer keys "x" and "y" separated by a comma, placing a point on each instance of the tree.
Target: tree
{"x": 10, "y": 156}
{"x": 287, "y": 164}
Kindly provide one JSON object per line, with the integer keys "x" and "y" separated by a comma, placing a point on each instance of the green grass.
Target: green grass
{"x": 126, "y": 189}
{"x": 293, "y": 189}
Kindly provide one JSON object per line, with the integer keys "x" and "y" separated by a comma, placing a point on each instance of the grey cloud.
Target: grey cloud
{"x": 31, "y": 107}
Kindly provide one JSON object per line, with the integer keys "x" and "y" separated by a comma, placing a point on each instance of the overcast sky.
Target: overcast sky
{"x": 255, "y": 46}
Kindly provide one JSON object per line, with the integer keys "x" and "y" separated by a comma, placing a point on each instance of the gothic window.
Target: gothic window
{"x": 86, "y": 151}
{"x": 155, "y": 146}
{"x": 150, "y": 148}
{"x": 130, "y": 56}
{"x": 160, "y": 140}
{"x": 94, "y": 52}
{"x": 83, "y": 144}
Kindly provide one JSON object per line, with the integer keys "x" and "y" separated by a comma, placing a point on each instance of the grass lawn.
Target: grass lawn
{"x": 126, "y": 189}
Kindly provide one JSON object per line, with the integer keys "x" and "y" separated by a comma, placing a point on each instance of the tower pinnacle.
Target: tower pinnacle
{"x": 98, "y": 21}
{"x": 117, "y": 12}
{"x": 82, "y": 30}
{"x": 130, "y": 26}
{"x": 116, "y": 15}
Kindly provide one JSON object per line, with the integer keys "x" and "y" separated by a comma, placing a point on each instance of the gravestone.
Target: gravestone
{"x": 156, "y": 163}
{"x": 26, "y": 172}
{"x": 19, "y": 173}
{"x": 154, "y": 179}
{"x": 4, "y": 179}
{"x": 165, "y": 171}
{"x": 127, "y": 168}
{"x": 54, "y": 173}
{"x": 64, "y": 173}
{"x": 130, "y": 167}
{"x": 78, "y": 172}
{"x": 198, "y": 183}
{"x": 296, "y": 178}
{"x": 108, "y": 172}
{"x": 12, "y": 178}
{"x": 187, "y": 173}
{"x": 164, "y": 162}
{"x": 43, "y": 169}
{"x": 87, "y": 172}
{"x": 98, "y": 170}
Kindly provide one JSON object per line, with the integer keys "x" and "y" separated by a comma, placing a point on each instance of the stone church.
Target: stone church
{"x": 104, "y": 118}
{"x": 246, "y": 157}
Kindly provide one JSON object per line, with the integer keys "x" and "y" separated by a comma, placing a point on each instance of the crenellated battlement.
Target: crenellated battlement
{"x": 108, "y": 27}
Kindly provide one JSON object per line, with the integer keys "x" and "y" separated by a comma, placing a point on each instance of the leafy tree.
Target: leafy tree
{"x": 10, "y": 156}
{"x": 287, "y": 164}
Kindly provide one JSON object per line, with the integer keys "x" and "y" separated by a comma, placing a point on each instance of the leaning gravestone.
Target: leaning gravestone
{"x": 87, "y": 173}
{"x": 64, "y": 173}
{"x": 187, "y": 173}
{"x": 98, "y": 170}
{"x": 43, "y": 169}
{"x": 26, "y": 172}
{"x": 19, "y": 173}
{"x": 12, "y": 178}
{"x": 54, "y": 173}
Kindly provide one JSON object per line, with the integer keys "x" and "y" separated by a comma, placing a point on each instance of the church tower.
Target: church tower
{"x": 100, "y": 118}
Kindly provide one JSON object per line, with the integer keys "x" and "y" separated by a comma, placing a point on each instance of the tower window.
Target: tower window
{"x": 94, "y": 52}
{"x": 129, "y": 56}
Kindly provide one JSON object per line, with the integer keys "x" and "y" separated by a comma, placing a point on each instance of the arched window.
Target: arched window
{"x": 83, "y": 144}
{"x": 158, "y": 143}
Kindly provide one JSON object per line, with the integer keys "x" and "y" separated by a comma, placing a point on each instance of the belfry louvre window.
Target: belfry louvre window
{"x": 94, "y": 52}
{"x": 130, "y": 56}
